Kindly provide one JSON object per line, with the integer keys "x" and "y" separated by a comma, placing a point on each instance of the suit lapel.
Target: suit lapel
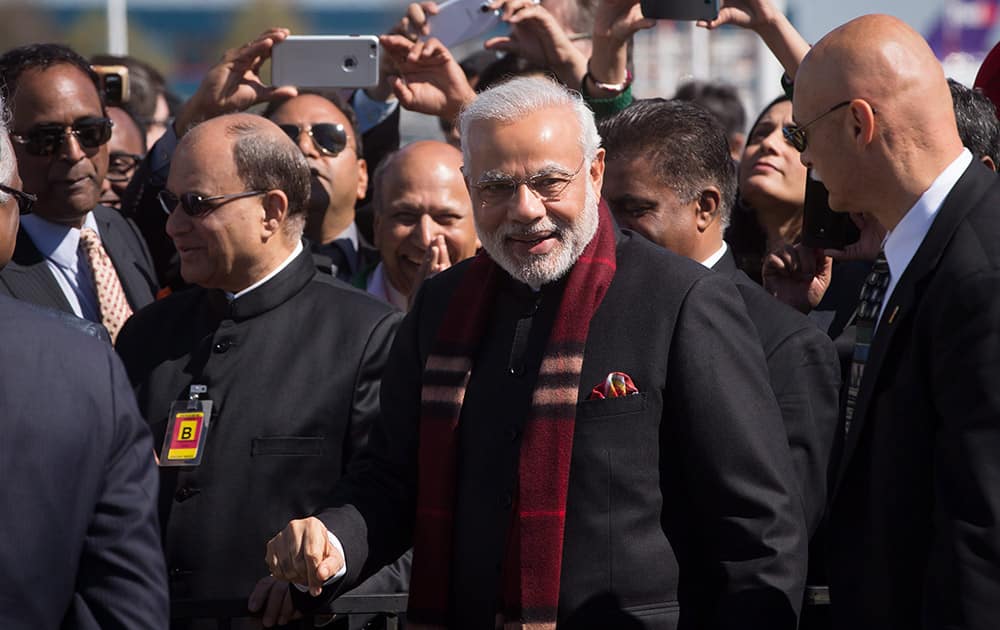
{"x": 29, "y": 278}
{"x": 966, "y": 194}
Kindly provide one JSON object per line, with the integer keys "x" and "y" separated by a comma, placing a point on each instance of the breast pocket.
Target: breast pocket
{"x": 288, "y": 445}
{"x": 599, "y": 408}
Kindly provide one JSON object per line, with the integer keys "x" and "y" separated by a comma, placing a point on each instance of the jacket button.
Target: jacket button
{"x": 222, "y": 346}
{"x": 185, "y": 493}
{"x": 517, "y": 371}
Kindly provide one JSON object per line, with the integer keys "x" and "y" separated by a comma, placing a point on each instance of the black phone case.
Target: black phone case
{"x": 821, "y": 226}
{"x": 680, "y": 9}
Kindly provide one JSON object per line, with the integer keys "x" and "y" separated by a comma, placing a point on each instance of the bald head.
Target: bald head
{"x": 898, "y": 130}
{"x": 421, "y": 200}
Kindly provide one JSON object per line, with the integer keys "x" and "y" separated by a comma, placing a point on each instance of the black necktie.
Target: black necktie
{"x": 872, "y": 296}
{"x": 342, "y": 254}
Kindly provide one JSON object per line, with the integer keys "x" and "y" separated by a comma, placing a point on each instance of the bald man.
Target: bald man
{"x": 914, "y": 517}
{"x": 423, "y": 220}
{"x": 290, "y": 357}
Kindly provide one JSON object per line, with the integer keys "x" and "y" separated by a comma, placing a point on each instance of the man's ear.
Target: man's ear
{"x": 988, "y": 161}
{"x": 707, "y": 207}
{"x": 863, "y": 121}
{"x": 597, "y": 172}
{"x": 275, "y": 207}
{"x": 362, "y": 178}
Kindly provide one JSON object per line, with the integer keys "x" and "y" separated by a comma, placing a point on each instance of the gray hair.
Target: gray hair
{"x": 522, "y": 96}
{"x": 7, "y": 160}
{"x": 267, "y": 162}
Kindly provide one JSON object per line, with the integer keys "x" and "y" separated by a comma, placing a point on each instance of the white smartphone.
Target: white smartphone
{"x": 326, "y": 61}
{"x": 680, "y": 9}
{"x": 459, "y": 21}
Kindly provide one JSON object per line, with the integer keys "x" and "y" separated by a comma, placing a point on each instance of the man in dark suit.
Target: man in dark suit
{"x": 71, "y": 254}
{"x": 636, "y": 475}
{"x": 291, "y": 358}
{"x": 670, "y": 177}
{"x": 81, "y": 538}
{"x": 914, "y": 538}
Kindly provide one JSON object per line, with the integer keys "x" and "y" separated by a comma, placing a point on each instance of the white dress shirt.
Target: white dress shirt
{"x": 274, "y": 272}
{"x": 60, "y": 245}
{"x": 381, "y": 287}
{"x": 716, "y": 257}
{"x": 901, "y": 244}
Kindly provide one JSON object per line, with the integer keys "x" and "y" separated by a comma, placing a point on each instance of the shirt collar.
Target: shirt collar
{"x": 381, "y": 287}
{"x": 351, "y": 234}
{"x": 274, "y": 272}
{"x": 57, "y": 242}
{"x": 901, "y": 244}
{"x": 716, "y": 257}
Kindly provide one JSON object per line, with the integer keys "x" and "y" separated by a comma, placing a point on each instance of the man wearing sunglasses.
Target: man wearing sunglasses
{"x": 291, "y": 358}
{"x": 914, "y": 538}
{"x": 71, "y": 253}
{"x": 325, "y": 129}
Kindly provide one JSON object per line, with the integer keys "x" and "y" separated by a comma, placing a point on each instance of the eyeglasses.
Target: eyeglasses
{"x": 795, "y": 135}
{"x": 329, "y": 138}
{"x": 24, "y": 200}
{"x": 548, "y": 186}
{"x": 195, "y": 205}
{"x": 121, "y": 165}
{"x": 43, "y": 140}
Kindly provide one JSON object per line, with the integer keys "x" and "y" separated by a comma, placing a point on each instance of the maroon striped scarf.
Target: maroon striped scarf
{"x": 534, "y": 559}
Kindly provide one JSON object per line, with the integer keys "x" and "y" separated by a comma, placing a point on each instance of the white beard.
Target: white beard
{"x": 541, "y": 269}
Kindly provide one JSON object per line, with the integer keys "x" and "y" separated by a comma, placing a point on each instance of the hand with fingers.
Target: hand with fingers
{"x": 798, "y": 276}
{"x": 272, "y": 600}
{"x": 303, "y": 554}
{"x": 233, "y": 84}
{"x": 428, "y": 78}
{"x": 868, "y": 245}
{"x": 412, "y": 26}
{"x": 537, "y": 36}
{"x": 615, "y": 22}
{"x": 763, "y": 18}
{"x": 436, "y": 259}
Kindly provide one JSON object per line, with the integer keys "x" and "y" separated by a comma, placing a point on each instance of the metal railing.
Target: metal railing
{"x": 223, "y": 611}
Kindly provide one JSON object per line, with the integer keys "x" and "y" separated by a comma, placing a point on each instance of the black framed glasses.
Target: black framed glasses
{"x": 121, "y": 165}
{"x": 795, "y": 135}
{"x": 46, "y": 139}
{"x": 328, "y": 138}
{"x": 25, "y": 201}
{"x": 195, "y": 205}
{"x": 547, "y": 185}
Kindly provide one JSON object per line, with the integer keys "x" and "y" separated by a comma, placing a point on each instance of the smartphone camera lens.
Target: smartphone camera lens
{"x": 350, "y": 63}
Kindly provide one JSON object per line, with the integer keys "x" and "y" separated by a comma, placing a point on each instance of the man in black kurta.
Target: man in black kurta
{"x": 680, "y": 507}
{"x": 290, "y": 358}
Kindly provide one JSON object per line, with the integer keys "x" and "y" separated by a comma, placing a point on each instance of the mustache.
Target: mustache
{"x": 543, "y": 226}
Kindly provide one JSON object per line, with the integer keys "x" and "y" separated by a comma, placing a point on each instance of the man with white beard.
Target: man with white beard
{"x": 576, "y": 425}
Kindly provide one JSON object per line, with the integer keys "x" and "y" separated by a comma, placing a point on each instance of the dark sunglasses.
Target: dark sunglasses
{"x": 329, "y": 138}
{"x": 120, "y": 165}
{"x": 24, "y": 200}
{"x": 46, "y": 139}
{"x": 795, "y": 135}
{"x": 195, "y": 205}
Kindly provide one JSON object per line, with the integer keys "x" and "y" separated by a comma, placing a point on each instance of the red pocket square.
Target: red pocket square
{"x": 615, "y": 385}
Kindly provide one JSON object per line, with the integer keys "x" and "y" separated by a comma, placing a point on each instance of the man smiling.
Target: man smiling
{"x": 545, "y": 403}
{"x": 71, "y": 254}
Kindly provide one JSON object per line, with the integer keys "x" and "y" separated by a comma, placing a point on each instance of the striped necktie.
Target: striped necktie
{"x": 111, "y": 298}
{"x": 872, "y": 295}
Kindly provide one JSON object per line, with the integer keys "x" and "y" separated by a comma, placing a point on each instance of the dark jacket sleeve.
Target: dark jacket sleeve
{"x": 805, "y": 376}
{"x": 725, "y": 430}
{"x": 122, "y": 577}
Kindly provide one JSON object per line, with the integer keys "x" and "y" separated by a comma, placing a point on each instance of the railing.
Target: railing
{"x": 225, "y": 610}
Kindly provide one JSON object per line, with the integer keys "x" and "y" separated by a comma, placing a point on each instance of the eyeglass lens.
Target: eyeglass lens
{"x": 330, "y": 138}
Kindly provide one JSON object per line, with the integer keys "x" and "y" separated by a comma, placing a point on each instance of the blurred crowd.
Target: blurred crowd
{"x": 583, "y": 361}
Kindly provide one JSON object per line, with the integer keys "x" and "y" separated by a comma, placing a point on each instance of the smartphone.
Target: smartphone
{"x": 326, "y": 61}
{"x": 680, "y": 9}
{"x": 113, "y": 84}
{"x": 821, "y": 226}
{"x": 459, "y": 21}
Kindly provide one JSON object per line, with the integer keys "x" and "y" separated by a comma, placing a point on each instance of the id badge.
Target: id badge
{"x": 187, "y": 432}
